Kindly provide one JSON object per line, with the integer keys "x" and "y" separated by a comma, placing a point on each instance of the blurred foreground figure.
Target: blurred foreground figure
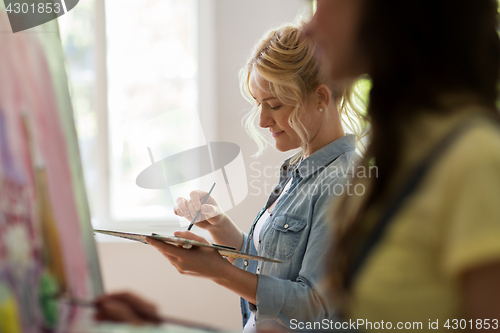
{"x": 421, "y": 249}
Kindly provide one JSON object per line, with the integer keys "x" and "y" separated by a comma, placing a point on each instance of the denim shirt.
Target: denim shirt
{"x": 298, "y": 234}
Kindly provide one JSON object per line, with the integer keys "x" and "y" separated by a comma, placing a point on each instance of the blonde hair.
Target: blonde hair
{"x": 284, "y": 58}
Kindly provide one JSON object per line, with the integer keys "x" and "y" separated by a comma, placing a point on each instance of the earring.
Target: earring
{"x": 320, "y": 110}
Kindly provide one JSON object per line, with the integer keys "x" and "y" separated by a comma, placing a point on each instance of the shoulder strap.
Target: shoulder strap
{"x": 412, "y": 183}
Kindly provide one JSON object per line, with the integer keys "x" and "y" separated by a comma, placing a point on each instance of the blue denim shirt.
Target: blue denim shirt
{"x": 298, "y": 234}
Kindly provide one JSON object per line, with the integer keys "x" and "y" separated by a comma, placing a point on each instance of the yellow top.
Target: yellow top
{"x": 449, "y": 225}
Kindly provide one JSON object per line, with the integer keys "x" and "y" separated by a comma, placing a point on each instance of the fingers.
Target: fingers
{"x": 190, "y": 235}
{"x": 196, "y": 198}
{"x": 110, "y": 309}
{"x": 199, "y": 260}
{"x": 207, "y": 211}
{"x": 181, "y": 209}
{"x": 189, "y": 208}
{"x": 171, "y": 252}
{"x": 145, "y": 309}
{"x": 194, "y": 205}
{"x": 210, "y": 211}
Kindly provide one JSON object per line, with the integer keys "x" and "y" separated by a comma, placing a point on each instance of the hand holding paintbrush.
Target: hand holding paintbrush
{"x": 201, "y": 209}
{"x": 126, "y": 307}
{"x": 129, "y": 308}
{"x": 204, "y": 211}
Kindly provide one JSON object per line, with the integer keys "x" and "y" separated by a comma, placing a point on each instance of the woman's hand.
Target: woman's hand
{"x": 211, "y": 214}
{"x": 126, "y": 307}
{"x": 198, "y": 261}
{"x": 211, "y": 218}
{"x": 207, "y": 262}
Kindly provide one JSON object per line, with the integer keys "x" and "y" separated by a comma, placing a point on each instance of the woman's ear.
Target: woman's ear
{"x": 323, "y": 96}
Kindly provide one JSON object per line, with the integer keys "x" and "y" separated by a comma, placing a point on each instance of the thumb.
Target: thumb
{"x": 211, "y": 211}
{"x": 191, "y": 236}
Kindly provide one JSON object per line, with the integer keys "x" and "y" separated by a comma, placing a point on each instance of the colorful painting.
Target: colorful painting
{"x": 47, "y": 251}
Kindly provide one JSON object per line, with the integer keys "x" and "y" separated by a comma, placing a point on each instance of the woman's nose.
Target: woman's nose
{"x": 265, "y": 119}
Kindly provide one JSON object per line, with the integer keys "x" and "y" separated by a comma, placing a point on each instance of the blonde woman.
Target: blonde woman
{"x": 294, "y": 102}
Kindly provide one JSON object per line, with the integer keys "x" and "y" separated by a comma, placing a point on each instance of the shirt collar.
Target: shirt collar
{"x": 321, "y": 158}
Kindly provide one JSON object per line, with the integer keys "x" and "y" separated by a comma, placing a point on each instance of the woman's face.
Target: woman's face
{"x": 274, "y": 115}
{"x": 334, "y": 30}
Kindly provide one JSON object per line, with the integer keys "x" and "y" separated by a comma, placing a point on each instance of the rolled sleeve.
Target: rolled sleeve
{"x": 238, "y": 262}
{"x": 268, "y": 308}
{"x": 248, "y": 248}
{"x": 290, "y": 300}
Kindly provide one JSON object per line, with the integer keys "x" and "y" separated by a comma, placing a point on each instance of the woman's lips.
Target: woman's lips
{"x": 278, "y": 134}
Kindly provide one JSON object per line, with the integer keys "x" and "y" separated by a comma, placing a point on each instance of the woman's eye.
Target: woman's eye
{"x": 275, "y": 107}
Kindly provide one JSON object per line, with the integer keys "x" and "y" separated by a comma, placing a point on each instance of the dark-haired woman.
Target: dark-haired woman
{"x": 421, "y": 250}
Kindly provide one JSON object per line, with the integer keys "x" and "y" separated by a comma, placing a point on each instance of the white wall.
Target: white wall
{"x": 232, "y": 26}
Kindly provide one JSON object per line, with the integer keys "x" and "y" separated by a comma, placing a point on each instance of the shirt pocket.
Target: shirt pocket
{"x": 284, "y": 236}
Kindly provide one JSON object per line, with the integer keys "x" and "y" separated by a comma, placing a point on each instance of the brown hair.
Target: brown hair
{"x": 417, "y": 52}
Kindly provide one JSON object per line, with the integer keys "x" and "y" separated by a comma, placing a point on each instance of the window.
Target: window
{"x": 133, "y": 74}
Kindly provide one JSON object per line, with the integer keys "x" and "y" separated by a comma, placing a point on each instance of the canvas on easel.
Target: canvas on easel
{"x": 47, "y": 249}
